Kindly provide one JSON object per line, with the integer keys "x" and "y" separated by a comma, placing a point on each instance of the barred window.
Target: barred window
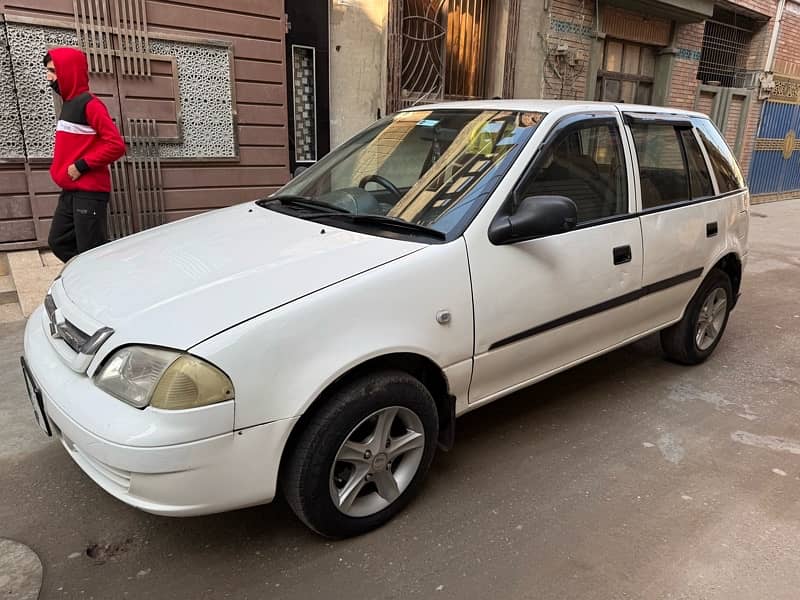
{"x": 726, "y": 42}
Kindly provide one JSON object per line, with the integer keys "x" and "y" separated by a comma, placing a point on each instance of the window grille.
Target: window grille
{"x": 726, "y": 43}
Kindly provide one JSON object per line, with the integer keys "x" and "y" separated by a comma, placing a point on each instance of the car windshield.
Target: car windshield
{"x": 429, "y": 168}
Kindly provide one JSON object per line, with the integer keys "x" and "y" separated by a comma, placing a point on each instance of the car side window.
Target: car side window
{"x": 729, "y": 176}
{"x": 662, "y": 168}
{"x": 586, "y": 164}
{"x": 699, "y": 178}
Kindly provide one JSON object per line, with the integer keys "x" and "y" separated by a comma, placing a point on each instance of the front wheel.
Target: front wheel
{"x": 692, "y": 339}
{"x": 363, "y": 455}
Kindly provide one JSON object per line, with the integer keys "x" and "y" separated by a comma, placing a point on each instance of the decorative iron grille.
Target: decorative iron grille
{"x": 467, "y": 26}
{"x": 437, "y": 50}
{"x": 423, "y": 37}
{"x": 305, "y": 103}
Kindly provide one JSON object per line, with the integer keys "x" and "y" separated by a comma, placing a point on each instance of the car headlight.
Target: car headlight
{"x": 142, "y": 376}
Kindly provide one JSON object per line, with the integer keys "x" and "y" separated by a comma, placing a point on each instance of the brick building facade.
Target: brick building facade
{"x": 701, "y": 61}
{"x": 718, "y": 57}
{"x": 725, "y": 59}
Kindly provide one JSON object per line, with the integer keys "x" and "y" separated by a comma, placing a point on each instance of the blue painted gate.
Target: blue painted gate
{"x": 775, "y": 168}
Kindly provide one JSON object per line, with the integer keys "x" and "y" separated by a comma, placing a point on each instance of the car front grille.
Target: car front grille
{"x": 78, "y": 347}
{"x": 72, "y": 336}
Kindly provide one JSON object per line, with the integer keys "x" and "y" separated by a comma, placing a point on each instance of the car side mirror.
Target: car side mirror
{"x": 299, "y": 170}
{"x": 536, "y": 216}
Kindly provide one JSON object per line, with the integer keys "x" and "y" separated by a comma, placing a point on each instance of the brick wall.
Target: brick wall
{"x": 571, "y": 25}
{"x": 684, "y": 82}
{"x": 763, "y": 7}
{"x": 751, "y": 129}
{"x": 683, "y": 87}
{"x": 758, "y": 47}
{"x": 635, "y": 26}
{"x": 787, "y": 53}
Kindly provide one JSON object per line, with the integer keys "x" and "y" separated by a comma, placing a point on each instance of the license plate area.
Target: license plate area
{"x": 35, "y": 397}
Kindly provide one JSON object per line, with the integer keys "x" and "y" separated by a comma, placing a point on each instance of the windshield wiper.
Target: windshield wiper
{"x": 388, "y": 222}
{"x": 304, "y": 201}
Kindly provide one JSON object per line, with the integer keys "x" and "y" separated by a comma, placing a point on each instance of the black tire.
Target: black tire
{"x": 679, "y": 341}
{"x": 306, "y": 474}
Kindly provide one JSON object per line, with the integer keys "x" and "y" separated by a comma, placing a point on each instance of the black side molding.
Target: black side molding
{"x": 603, "y": 306}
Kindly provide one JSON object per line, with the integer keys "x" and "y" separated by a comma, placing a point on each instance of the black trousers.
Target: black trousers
{"x": 79, "y": 223}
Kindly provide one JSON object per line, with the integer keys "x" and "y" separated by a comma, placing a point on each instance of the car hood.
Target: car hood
{"x": 181, "y": 283}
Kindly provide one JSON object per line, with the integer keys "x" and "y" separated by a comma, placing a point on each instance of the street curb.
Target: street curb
{"x": 20, "y": 571}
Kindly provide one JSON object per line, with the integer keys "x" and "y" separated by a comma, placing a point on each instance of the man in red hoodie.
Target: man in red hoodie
{"x": 87, "y": 141}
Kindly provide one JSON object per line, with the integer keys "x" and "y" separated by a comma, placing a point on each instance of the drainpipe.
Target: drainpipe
{"x": 773, "y": 43}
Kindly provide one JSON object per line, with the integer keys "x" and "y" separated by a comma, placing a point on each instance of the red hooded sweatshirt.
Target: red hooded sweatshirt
{"x": 85, "y": 134}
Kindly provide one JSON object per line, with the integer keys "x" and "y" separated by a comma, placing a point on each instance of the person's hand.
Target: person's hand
{"x": 73, "y": 172}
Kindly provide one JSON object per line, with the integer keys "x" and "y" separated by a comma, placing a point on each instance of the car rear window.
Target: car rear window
{"x": 662, "y": 169}
{"x": 729, "y": 176}
{"x": 699, "y": 178}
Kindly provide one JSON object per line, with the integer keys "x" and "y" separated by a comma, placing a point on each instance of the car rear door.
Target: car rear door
{"x": 685, "y": 212}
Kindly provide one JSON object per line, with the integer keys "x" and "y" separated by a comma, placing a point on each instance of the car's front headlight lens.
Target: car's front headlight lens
{"x": 161, "y": 378}
{"x": 190, "y": 382}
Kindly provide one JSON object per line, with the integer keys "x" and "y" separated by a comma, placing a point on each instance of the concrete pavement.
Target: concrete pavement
{"x": 627, "y": 477}
{"x": 25, "y": 277}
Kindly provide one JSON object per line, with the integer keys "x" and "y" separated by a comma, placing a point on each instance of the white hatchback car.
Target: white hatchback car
{"x": 322, "y": 341}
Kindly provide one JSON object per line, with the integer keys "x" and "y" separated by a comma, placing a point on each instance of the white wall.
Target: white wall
{"x": 529, "y": 71}
{"x": 358, "y": 65}
{"x": 496, "y": 50}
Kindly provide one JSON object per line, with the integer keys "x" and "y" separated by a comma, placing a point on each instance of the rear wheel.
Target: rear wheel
{"x": 363, "y": 455}
{"x": 692, "y": 339}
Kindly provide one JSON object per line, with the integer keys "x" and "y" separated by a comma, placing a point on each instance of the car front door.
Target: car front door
{"x": 546, "y": 303}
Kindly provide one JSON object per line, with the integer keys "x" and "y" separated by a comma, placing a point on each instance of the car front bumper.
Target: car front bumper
{"x": 213, "y": 474}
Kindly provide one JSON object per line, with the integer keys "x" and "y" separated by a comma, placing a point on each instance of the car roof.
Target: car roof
{"x": 547, "y": 106}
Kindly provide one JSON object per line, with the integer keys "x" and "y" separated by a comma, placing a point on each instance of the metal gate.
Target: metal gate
{"x": 776, "y": 160}
{"x": 728, "y": 108}
{"x": 775, "y": 169}
{"x": 437, "y": 50}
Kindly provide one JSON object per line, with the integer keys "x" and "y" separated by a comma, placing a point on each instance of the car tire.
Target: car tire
{"x": 690, "y": 340}
{"x": 372, "y": 431}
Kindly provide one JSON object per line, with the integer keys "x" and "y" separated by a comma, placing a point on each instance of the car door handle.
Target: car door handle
{"x": 711, "y": 229}
{"x": 622, "y": 255}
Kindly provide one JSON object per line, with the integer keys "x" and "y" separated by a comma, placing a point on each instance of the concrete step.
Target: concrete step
{"x": 32, "y": 278}
{"x": 10, "y": 313}
{"x": 8, "y": 293}
{"x": 49, "y": 259}
{"x": 10, "y": 310}
{"x": 24, "y": 259}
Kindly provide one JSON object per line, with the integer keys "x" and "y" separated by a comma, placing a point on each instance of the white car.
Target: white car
{"x": 322, "y": 341}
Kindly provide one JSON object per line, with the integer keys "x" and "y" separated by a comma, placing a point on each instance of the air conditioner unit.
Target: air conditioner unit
{"x": 750, "y": 79}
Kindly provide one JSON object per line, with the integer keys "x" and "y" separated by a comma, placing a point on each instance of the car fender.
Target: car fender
{"x": 281, "y": 362}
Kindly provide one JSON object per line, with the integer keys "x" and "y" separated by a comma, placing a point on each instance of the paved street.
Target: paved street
{"x": 627, "y": 477}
